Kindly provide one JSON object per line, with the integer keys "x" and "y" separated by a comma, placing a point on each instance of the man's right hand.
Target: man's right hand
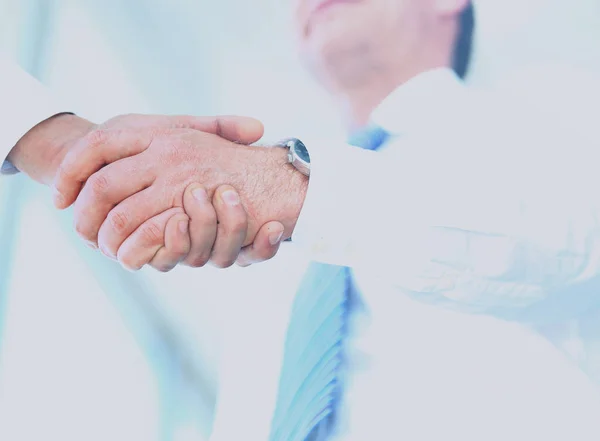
{"x": 216, "y": 233}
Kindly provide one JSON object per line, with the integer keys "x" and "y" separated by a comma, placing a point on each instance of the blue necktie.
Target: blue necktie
{"x": 309, "y": 387}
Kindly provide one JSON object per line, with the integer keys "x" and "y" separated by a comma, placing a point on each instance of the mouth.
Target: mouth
{"x": 318, "y": 7}
{"x": 322, "y": 5}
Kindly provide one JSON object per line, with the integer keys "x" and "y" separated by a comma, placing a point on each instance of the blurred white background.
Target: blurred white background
{"x": 72, "y": 327}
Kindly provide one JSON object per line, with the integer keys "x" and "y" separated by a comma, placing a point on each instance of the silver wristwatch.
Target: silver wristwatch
{"x": 297, "y": 155}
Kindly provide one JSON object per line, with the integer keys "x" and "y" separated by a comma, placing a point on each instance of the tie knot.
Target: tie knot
{"x": 369, "y": 138}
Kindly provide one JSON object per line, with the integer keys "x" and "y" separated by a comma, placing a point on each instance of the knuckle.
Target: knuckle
{"x": 178, "y": 151}
{"x": 119, "y": 221}
{"x": 82, "y": 229}
{"x": 151, "y": 233}
{"x": 162, "y": 267}
{"x": 179, "y": 250}
{"x": 223, "y": 262}
{"x": 181, "y": 122}
{"x": 223, "y": 129}
{"x": 66, "y": 172}
{"x": 95, "y": 137}
{"x": 197, "y": 261}
{"x": 126, "y": 117}
{"x": 235, "y": 225}
{"x": 219, "y": 126}
{"x": 207, "y": 217}
{"x": 99, "y": 184}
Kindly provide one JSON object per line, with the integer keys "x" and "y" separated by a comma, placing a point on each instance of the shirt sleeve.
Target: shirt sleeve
{"x": 494, "y": 216}
{"x": 24, "y": 104}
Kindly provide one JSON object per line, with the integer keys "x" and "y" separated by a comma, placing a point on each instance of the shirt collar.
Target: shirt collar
{"x": 418, "y": 102}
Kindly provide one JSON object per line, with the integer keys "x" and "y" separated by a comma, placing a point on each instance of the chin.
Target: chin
{"x": 329, "y": 44}
{"x": 335, "y": 57}
{"x": 331, "y": 31}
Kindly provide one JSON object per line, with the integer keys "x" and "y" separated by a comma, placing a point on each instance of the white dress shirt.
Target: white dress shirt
{"x": 482, "y": 201}
{"x": 478, "y": 203}
{"x": 25, "y": 103}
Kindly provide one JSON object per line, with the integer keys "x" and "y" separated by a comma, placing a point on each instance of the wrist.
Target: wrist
{"x": 40, "y": 151}
{"x": 292, "y": 186}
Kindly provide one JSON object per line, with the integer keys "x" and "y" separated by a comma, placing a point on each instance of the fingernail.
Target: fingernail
{"x": 230, "y": 197}
{"x": 200, "y": 194}
{"x": 275, "y": 238}
{"x": 183, "y": 226}
{"x": 91, "y": 245}
{"x": 242, "y": 263}
{"x": 107, "y": 253}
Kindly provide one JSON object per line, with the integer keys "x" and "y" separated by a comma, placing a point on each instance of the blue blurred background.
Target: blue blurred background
{"x": 76, "y": 338}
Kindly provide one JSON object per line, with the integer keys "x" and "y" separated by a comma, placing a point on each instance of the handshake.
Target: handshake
{"x": 165, "y": 190}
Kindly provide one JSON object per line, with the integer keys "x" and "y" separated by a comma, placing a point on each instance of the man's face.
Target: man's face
{"x": 340, "y": 40}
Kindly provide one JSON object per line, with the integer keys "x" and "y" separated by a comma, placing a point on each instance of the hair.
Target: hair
{"x": 464, "y": 41}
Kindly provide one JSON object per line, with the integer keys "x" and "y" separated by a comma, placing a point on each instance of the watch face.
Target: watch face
{"x": 301, "y": 151}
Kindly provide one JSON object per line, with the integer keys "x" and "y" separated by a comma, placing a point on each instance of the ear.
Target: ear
{"x": 451, "y": 7}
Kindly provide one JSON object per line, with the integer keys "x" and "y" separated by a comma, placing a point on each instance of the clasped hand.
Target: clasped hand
{"x": 168, "y": 190}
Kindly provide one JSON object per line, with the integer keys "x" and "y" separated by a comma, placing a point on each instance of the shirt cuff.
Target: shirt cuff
{"x": 8, "y": 169}
{"x": 334, "y": 188}
{"x": 25, "y": 103}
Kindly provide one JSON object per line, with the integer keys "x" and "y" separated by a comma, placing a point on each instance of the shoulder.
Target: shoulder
{"x": 567, "y": 93}
{"x": 552, "y": 75}
{"x": 557, "y": 96}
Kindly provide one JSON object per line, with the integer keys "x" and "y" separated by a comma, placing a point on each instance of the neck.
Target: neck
{"x": 357, "y": 105}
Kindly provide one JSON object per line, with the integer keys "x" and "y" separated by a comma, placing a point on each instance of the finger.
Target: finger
{"x": 203, "y": 225}
{"x": 90, "y": 154}
{"x": 104, "y": 146}
{"x": 141, "y": 246}
{"x": 232, "y": 227}
{"x": 128, "y": 215}
{"x": 233, "y": 128}
{"x": 177, "y": 244}
{"x": 265, "y": 245}
{"x": 103, "y": 191}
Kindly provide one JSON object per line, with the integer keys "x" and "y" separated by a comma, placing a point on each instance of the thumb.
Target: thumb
{"x": 238, "y": 129}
